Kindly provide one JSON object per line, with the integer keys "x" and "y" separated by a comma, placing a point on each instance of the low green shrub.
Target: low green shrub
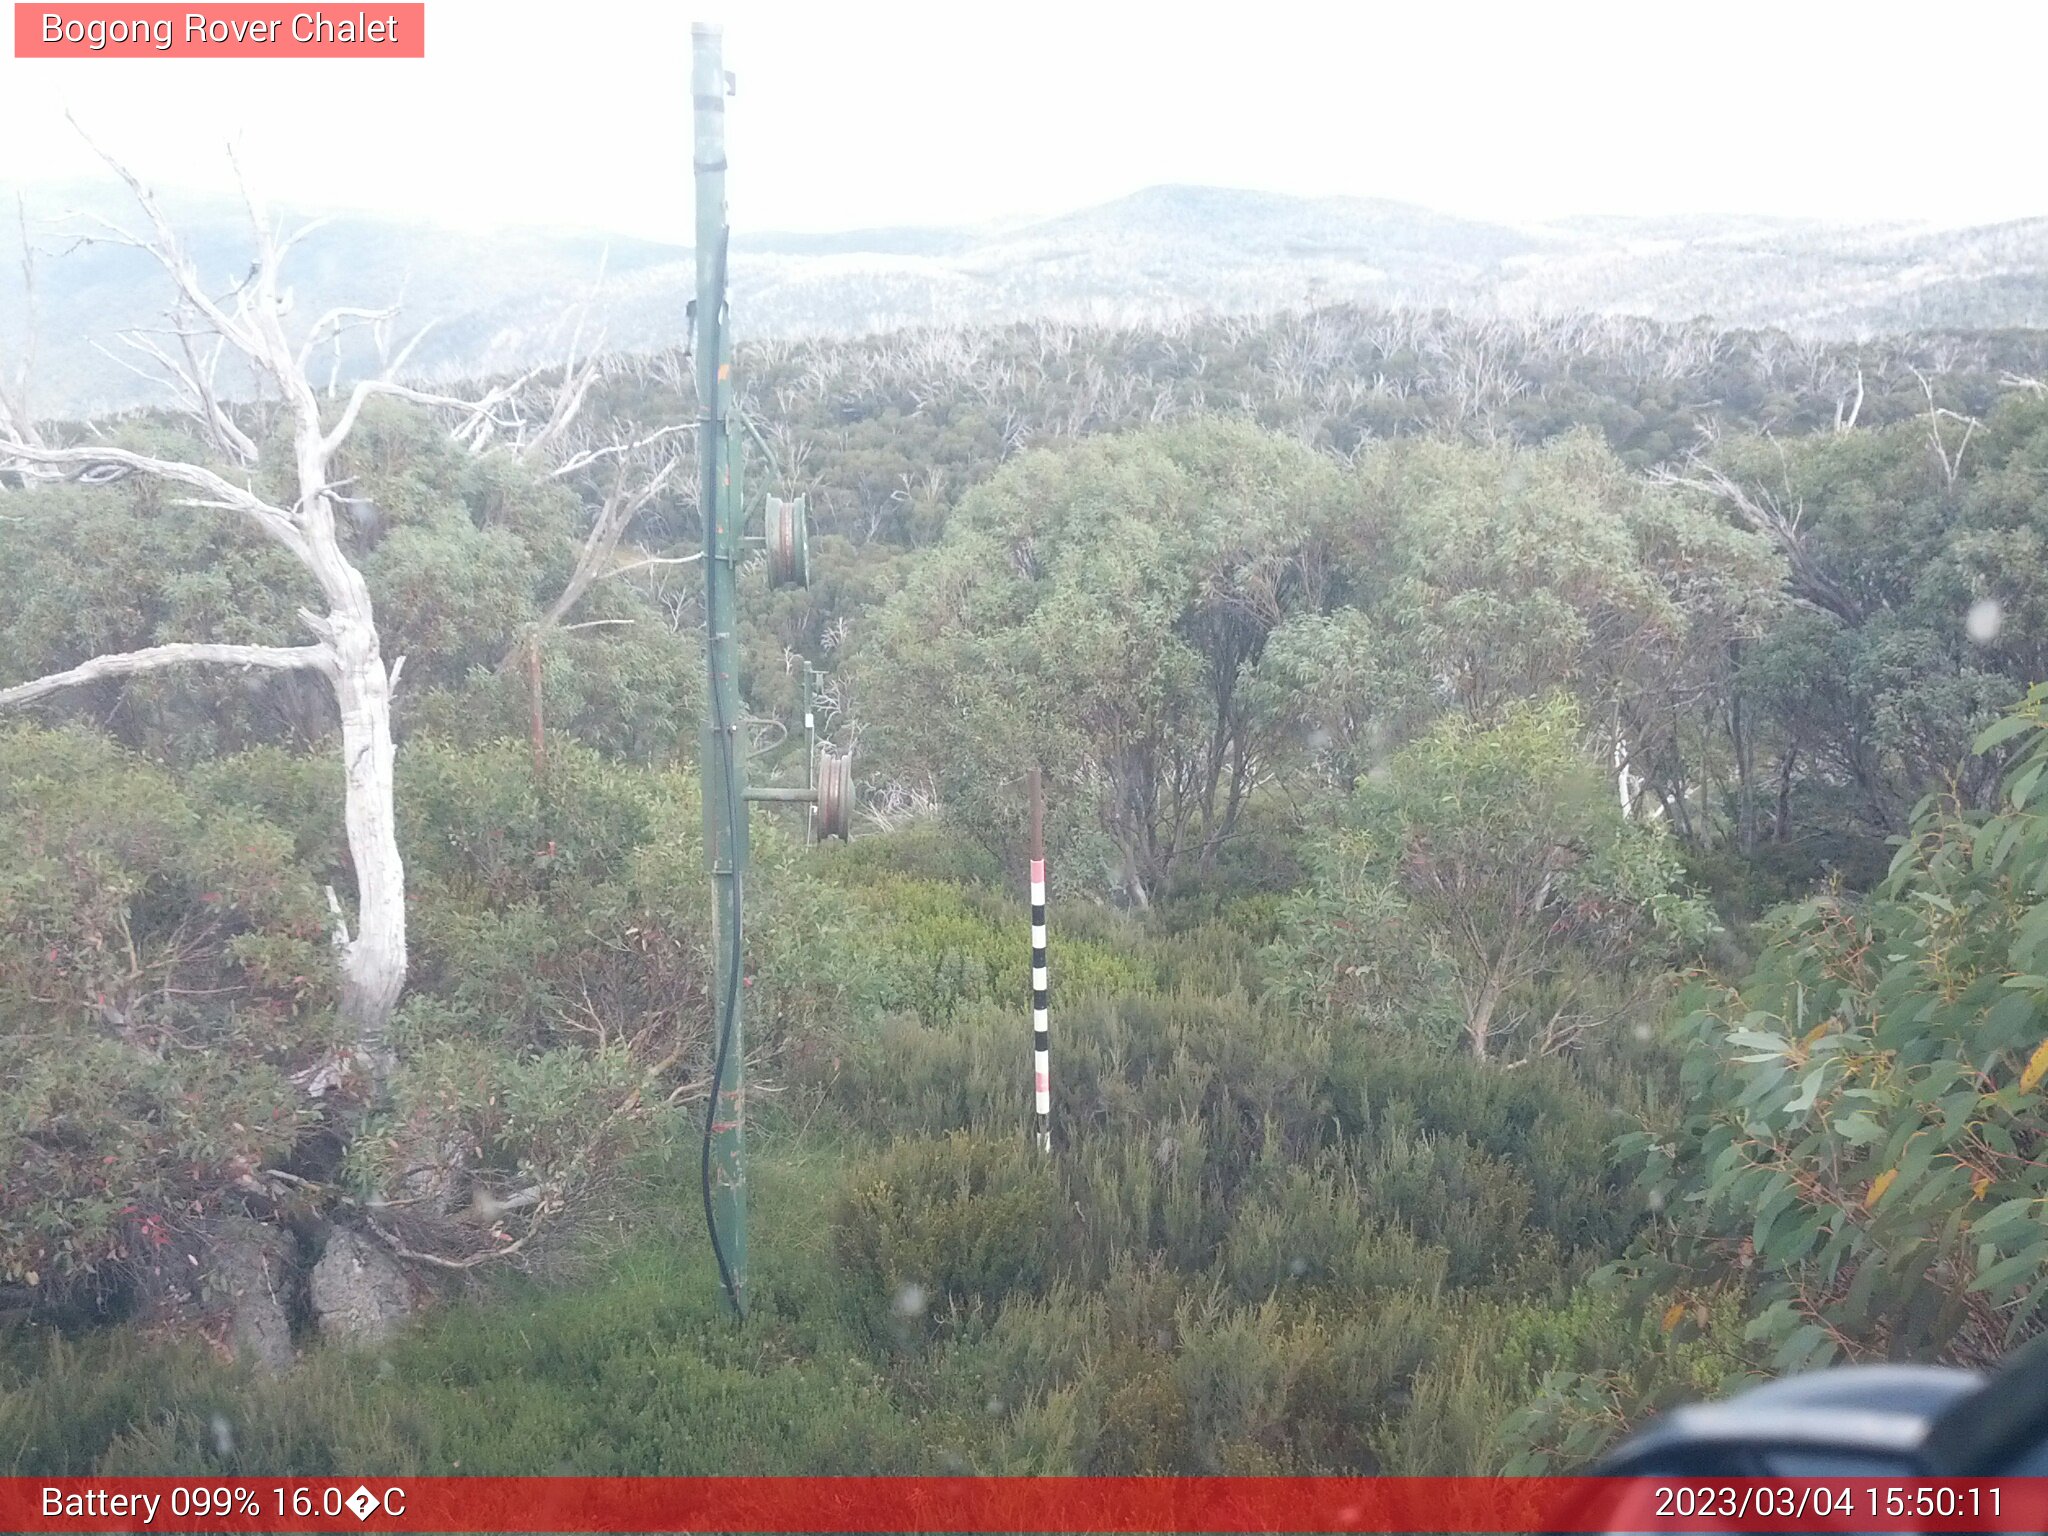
{"x": 942, "y": 1224}
{"x": 164, "y": 968}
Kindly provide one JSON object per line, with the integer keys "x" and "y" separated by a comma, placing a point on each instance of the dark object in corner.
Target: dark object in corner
{"x": 1853, "y": 1421}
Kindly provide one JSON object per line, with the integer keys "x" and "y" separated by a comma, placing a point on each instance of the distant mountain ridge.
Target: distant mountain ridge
{"x": 498, "y": 299}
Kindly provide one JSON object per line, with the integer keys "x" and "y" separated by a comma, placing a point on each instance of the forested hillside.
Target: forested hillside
{"x": 496, "y": 297}
{"x": 1547, "y": 889}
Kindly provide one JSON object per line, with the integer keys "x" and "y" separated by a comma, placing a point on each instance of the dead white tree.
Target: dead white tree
{"x": 1951, "y": 460}
{"x": 17, "y": 422}
{"x": 644, "y": 469}
{"x": 893, "y": 804}
{"x": 345, "y": 650}
{"x": 1847, "y": 409}
{"x": 1763, "y": 511}
{"x": 542, "y": 420}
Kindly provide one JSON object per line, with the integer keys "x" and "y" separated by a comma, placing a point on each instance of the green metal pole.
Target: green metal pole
{"x": 724, "y": 764}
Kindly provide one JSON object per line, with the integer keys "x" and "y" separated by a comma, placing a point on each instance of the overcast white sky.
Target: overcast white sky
{"x": 577, "y": 112}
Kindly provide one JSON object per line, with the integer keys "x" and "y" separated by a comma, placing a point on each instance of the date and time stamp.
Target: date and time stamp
{"x": 1829, "y": 1501}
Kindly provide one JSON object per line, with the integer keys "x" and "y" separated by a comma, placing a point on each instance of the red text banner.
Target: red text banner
{"x": 1021, "y": 1504}
{"x": 234, "y": 31}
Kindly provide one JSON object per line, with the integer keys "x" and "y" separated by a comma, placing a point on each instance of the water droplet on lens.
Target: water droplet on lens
{"x": 1984, "y": 620}
{"x": 910, "y": 1301}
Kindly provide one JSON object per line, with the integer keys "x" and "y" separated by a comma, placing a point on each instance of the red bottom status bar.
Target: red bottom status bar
{"x": 1021, "y": 1504}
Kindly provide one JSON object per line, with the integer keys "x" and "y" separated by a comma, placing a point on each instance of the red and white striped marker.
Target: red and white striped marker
{"x": 1041, "y": 1040}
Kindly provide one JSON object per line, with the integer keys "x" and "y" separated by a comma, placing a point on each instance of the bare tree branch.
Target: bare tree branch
{"x": 79, "y": 462}
{"x": 476, "y": 410}
{"x": 610, "y": 525}
{"x": 192, "y": 383}
{"x": 339, "y": 320}
{"x": 1762, "y": 513}
{"x": 169, "y": 254}
{"x": 584, "y": 458}
{"x": 391, "y": 365}
{"x": 1951, "y": 463}
{"x": 276, "y": 658}
{"x": 649, "y": 563}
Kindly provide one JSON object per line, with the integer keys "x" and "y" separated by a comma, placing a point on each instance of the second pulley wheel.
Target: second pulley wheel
{"x": 789, "y": 543}
{"x": 835, "y": 794}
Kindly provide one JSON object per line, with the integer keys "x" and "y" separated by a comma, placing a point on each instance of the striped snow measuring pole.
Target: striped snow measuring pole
{"x": 1041, "y": 1041}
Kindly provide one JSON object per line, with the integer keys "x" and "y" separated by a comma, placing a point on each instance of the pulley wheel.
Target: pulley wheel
{"x": 789, "y": 543}
{"x": 835, "y": 794}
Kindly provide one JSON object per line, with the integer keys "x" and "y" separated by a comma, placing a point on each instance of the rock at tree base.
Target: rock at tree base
{"x": 248, "y": 1275}
{"x": 359, "y": 1293}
